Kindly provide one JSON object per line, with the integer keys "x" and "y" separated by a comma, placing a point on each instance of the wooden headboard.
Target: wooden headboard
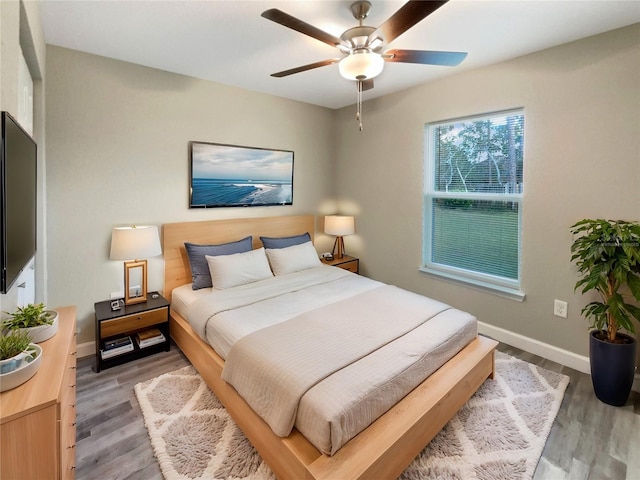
{"x": 176, "y": 264}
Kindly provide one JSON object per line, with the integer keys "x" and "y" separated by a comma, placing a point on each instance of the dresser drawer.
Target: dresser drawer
{"x": 68, "y": 443}
{"x": 129, "y": 323}
{"x": 68, "y": 417}
{"x": 68, "y": 390}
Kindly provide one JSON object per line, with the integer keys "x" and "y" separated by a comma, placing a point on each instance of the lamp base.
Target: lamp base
{"x": 135, "y": 282}
{"x": 134, "y": 300}
{"x": 338, "y": 247}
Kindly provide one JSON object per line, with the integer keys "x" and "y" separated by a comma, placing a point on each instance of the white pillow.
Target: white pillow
{"x": 238, "y": 269}
{"x": 293, "y": 259}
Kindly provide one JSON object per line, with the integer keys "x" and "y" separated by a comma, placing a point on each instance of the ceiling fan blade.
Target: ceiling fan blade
{"x": 367, "y": 84}
{"x": 425, "y": 57}
{"x": 411, "y": 13}
{"x": 304, "y": 68}
{"x": 293, "y": 23}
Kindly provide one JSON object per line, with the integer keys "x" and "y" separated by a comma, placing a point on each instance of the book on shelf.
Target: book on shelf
{"x": 115, "y": 347}
{"x": 147, "y": 338}
{"x": 116, "y": 342}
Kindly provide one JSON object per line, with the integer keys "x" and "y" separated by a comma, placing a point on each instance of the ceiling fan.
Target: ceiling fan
{"x": 363, "y": 47}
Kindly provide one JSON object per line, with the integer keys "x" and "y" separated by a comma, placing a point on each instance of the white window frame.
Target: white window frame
{"x": 504, "y": 287}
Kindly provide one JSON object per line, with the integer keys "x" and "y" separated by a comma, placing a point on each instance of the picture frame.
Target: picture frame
{"x": 223, "y": 175}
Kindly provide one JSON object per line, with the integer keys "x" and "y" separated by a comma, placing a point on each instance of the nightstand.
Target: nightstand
{"x": 346, "y": 262}
{"x": 130, "y": 320}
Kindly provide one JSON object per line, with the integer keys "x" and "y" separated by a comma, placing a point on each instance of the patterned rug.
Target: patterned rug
{"x": 499, "y": 433}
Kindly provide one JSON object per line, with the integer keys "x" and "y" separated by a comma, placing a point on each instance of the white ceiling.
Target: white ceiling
{"x": 229, "y": 42}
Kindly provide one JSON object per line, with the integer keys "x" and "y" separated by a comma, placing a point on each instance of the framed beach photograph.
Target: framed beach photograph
{"x": 237, "y": 176}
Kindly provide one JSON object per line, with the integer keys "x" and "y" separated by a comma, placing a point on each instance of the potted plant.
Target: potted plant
{"x": 607, "y": 254}
{"x": 40, "y": 323}
{"x": 19, "y": 359}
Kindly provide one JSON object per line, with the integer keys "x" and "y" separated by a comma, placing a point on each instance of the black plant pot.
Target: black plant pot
{"x": 612, "y": 368}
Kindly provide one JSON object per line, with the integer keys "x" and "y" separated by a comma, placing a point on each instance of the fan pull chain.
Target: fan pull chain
{"x": 359, "y": 107}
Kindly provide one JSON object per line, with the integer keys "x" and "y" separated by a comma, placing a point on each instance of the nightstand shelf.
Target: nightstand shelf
{"x": 346, "y": 262}
{"x": 127, "y": 321}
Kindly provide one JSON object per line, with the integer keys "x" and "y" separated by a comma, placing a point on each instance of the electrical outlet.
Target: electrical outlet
{"x": 560, "y": 308}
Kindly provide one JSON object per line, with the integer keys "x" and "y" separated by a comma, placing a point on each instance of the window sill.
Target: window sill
{"x": 499, "y": 290}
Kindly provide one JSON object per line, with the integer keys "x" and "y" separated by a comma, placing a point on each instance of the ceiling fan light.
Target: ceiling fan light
{"x": 361, "y": 66}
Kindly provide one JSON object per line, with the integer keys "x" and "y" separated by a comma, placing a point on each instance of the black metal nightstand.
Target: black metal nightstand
{"x": 130, "y": 321}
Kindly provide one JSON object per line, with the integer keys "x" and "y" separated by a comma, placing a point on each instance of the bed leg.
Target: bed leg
{"x": 492, "y": 375}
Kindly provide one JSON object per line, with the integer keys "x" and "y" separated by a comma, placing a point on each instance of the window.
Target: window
{"x": 473, "y": 200}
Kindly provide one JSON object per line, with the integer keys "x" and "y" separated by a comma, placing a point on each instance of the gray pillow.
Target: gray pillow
{"x": 200, "y": 275}
{"x": 284, "y": 242}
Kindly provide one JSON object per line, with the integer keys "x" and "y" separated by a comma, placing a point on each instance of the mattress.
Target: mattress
{"x": 341, "y": 405}
{"x": 184, "y": 295}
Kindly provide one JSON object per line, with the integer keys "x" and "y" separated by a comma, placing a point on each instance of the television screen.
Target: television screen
{"x": 237, "y": 176}
{"x": 18, "y": 212}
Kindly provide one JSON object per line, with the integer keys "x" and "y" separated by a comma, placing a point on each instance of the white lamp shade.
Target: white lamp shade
{"x": 339, "y": 225}
{"x": 137, "y": 242}
{"x": 361, "y": 65}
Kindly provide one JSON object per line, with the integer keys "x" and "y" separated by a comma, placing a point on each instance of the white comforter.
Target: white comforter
{"x": 273, "y": 368}
{"x": 328, "y": 405}
{"x": 225, "y": 316}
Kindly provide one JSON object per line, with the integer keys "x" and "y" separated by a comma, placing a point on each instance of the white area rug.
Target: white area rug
{"x": 498, "y": 434}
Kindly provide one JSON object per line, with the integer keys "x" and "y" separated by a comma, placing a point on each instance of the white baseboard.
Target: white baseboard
{"x": 544, "y": 350}
{"x": 87, "y": 349}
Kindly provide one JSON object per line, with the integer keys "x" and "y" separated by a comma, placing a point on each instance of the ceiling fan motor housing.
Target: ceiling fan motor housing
{"x": 357, "y": 36}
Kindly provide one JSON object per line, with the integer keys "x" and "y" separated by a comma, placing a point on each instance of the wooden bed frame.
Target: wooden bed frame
{"x": 381, "y": 451}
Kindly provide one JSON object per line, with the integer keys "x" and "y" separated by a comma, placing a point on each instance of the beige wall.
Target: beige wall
{"x": 20, "y": 28}
{"x": 117, "y": 154}
{"x": 582, "y": 159}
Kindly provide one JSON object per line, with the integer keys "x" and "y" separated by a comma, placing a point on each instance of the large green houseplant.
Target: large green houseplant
{"x": 607, "y": 254}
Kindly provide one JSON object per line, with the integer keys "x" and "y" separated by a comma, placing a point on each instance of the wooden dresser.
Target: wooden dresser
{"x": 38, "y": 418}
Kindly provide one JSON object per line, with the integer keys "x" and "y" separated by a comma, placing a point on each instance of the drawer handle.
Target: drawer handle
{"x": 73, "y": 367}
{"x": 73, "y": 353}
{"x": 72, "y": 467}
{"x": 73, "y": 424}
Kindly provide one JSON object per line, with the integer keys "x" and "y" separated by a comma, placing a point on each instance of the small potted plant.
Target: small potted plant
{"x": 19, "y": 358}
{"x": 607, "y": 254}
{"x": 40, "y": 323}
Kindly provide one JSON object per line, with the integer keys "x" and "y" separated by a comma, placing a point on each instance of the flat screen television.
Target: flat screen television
{"x": 18, "y": 201}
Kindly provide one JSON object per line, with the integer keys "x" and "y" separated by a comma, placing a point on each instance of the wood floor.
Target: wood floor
{"x": 589, "y": 440}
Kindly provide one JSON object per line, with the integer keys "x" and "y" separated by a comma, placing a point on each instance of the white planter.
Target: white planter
{"x": 43, "y": 332}
{"x": 10, "y": 364}
{"x": 24, "y": 372}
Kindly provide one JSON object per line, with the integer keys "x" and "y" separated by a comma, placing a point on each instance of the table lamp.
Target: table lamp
{"x": 134, "y": 244}
{"x": 339, "y": 225}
